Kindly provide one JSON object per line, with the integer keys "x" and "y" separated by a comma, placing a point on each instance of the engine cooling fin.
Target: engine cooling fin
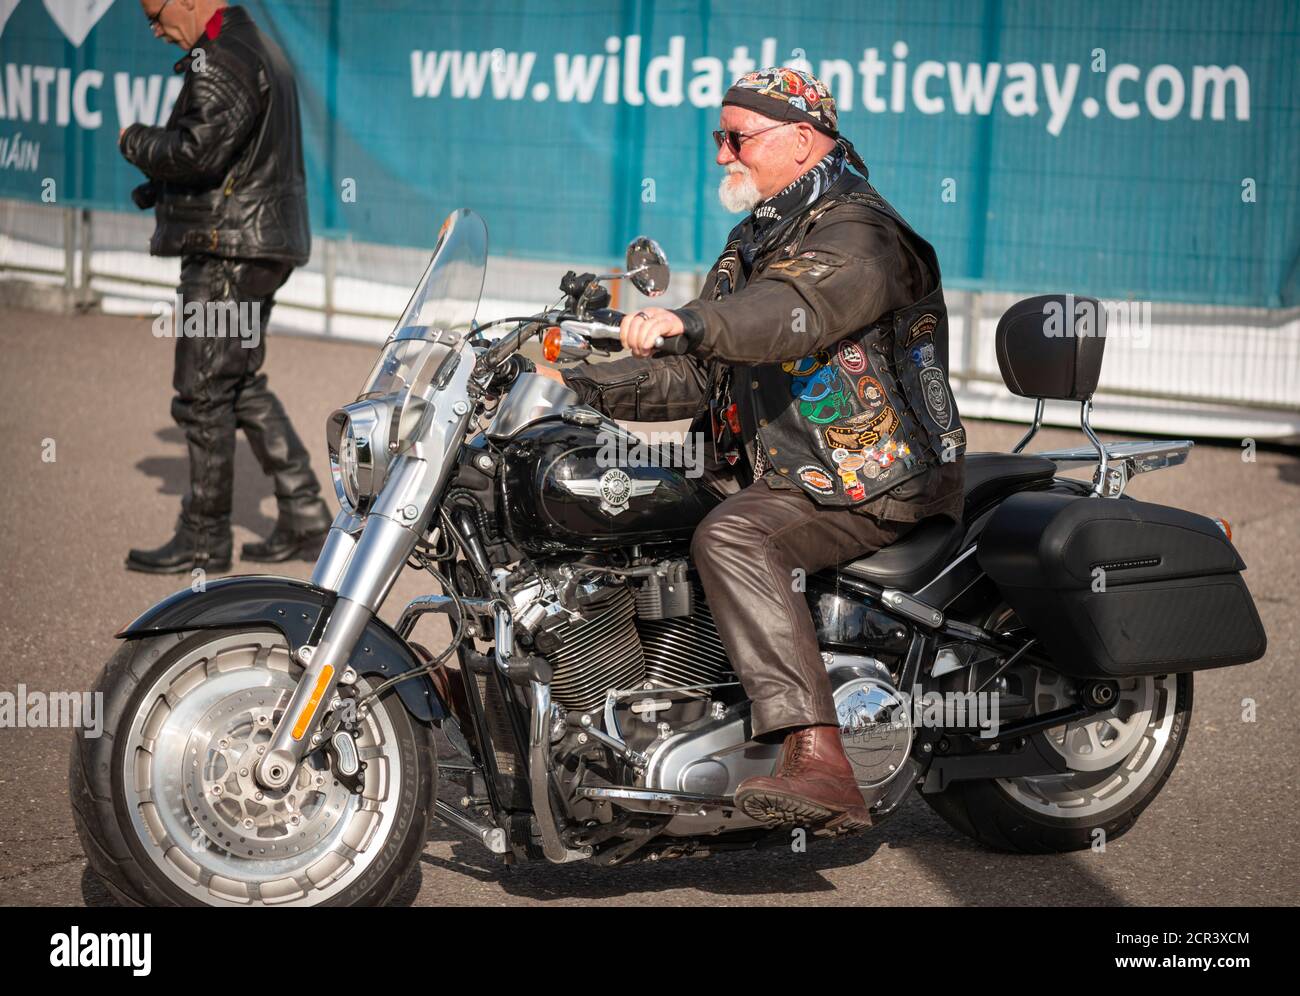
{"x": 686, "y": 650}
{"x": 600, "y": 653}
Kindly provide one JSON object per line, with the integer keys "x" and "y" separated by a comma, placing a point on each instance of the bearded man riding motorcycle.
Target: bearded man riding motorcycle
{"x": 819, "y": 344}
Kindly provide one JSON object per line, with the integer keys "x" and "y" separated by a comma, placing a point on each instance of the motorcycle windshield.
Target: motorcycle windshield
{"x": 439, "y": 316}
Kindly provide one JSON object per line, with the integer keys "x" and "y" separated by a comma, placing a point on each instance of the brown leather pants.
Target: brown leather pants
{"x": 748, "y": 552}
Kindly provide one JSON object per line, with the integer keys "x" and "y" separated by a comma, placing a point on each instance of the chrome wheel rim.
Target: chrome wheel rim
{"x": 202, "y": 819}
{"x": 1110, "y": 756}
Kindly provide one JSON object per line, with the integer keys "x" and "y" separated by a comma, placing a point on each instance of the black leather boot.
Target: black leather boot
{"x": 188, "y": 549}
{"x": 286, "y": 543}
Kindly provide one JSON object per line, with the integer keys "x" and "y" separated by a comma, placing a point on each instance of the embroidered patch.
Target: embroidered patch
{"x": 728, "y": 270}
{"x": 880, "y": 427}
{"x": 860, "y": 432}
{"x": 953, "y": 441}
{"x": 923, "y": 355}
{"x": 934, "y": 385}
{"x": 924, "y": 325}
{"x": 805, "y": 366}
{"x": 872, "y": 394}
{"x": 815, "y": 386}
{"x": 817, "y": 478}
{"x": 826, "y": 409}
{"x": 851, "y": 357}
{"x": 801, "y": 266}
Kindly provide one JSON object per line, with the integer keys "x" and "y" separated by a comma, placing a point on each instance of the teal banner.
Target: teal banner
{"x": 1147, "y": 151}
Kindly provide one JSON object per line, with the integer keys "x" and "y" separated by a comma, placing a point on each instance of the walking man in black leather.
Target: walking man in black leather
{"x": 226, "y": 180}
{"x": 820, "y": 344}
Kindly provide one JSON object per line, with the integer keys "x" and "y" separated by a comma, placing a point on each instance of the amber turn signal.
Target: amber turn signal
{"x": 551, "y": 344}
{"x": 1226, "y": 526}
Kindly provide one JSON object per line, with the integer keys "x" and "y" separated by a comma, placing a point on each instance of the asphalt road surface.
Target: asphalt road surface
{"x": 1223, "y": 831}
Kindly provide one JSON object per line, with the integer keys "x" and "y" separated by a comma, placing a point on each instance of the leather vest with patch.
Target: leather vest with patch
{"x": 850, "y": 422}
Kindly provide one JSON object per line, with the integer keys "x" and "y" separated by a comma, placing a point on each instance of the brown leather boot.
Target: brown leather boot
{"x": 813, "y": 785}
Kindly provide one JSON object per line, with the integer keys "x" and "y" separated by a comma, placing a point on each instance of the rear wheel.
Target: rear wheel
{"x": 1118, "y": 762}
{"x": 169, "y": 813}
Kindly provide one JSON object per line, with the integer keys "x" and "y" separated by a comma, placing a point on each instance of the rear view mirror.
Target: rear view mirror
{"x": 647, "y": 266}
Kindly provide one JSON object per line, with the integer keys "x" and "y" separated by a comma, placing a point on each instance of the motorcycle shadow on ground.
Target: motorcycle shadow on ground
{"x": 914, "y": 844}
{"x": 172, "y": 472}
{"x": 914, "y": 840}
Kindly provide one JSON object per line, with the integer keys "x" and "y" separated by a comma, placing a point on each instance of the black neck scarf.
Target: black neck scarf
{"x": 773, "y": 217}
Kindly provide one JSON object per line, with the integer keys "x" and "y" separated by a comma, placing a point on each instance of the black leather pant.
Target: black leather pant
{"x": 748, "y": 551}
{"x": 219, "y": 389}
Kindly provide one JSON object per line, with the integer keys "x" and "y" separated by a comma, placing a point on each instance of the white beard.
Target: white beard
{"x": 738, "y": 196}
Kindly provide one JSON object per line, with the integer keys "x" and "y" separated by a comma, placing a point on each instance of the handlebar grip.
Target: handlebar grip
{"x": 673, "y": 346}
{"x": 677, "y": 345}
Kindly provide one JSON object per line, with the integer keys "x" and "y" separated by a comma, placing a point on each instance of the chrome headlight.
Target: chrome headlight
{"x": 358, "y": 436}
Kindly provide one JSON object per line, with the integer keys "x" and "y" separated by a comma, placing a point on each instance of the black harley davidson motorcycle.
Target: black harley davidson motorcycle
{"x": 271, "y": 741}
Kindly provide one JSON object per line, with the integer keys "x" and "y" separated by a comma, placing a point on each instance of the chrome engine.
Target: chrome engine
{"x": 660, "y": 694}
{"x": 633, "y": 673}
{"x": 712, "y": 758}
{"x": 596, "y": 653}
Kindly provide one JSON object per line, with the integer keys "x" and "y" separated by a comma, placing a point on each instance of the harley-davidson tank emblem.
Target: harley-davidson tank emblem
{"x": 614, "y": 488}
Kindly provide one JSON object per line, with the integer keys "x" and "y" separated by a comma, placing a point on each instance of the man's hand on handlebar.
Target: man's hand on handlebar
{"x": 550, "y": 372}
{"x": 641, "y": 329}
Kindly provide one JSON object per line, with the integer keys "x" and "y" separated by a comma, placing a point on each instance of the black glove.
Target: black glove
{"x": 145, "y": 196}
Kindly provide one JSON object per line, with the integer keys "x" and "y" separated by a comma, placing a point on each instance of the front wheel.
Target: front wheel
{"x": 168, "y": 811}
{"x": 1118, "y": 763}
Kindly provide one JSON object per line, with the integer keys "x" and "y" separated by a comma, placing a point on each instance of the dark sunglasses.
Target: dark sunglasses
{"x": 733, "y": 139}
{"x": 153, "y": 18}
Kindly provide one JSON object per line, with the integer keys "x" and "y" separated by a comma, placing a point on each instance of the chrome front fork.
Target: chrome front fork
{"x": 367, "y": 575}
{"x": 337, "y": 551}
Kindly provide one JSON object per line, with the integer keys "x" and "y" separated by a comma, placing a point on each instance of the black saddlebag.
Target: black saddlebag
{"x": 1114, "y": 588}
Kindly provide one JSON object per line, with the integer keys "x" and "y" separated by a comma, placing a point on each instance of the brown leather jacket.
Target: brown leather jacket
{"x": 849, "y": 272}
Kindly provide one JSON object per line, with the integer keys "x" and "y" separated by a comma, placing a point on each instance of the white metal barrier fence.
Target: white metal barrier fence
{"x": 1172, "y": 369}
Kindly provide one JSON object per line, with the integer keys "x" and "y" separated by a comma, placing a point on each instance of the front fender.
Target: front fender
{"x": 298, "y": 609}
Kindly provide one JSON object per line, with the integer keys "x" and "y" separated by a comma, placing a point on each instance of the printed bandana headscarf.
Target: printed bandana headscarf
{"x": 785, "y": 94}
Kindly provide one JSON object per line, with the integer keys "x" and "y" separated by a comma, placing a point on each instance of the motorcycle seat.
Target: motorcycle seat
{"x": 913, "y": 560}
{"x": 919, "y": 556}
{"x": 990, "y": 477}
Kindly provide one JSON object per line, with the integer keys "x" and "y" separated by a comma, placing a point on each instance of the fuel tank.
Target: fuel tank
{"x": 574, "y": 487}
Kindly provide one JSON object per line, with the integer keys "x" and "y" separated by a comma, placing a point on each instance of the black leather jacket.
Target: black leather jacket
{"x": 835, "y": 350}
{"x": 226, "y": 172}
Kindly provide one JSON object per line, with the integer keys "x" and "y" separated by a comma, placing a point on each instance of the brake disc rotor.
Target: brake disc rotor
{"x": 234, "y": 811}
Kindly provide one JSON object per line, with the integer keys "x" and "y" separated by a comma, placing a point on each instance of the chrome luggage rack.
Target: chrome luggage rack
{"x": 1117, "y": 463}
